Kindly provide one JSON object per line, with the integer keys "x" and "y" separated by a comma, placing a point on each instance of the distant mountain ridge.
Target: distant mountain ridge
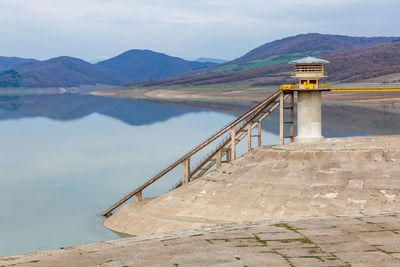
{"x": 7, "y": 63}
{"x": 58, "y": 72}
{"x": 364, "y": 63}
{"x": 346, "y": 66}
{"x": 263, "y": 65}
{"x": 294, "y": 47}
{"x": 312, "y": 44}
{"x": 143, "y": 65}
{"x": 131, "y": 66}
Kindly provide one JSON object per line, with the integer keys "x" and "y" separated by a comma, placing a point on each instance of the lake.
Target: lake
{"x": 65, "y": 158}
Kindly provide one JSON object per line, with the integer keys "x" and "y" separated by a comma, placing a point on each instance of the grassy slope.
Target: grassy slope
{"x": 268, "y": 61}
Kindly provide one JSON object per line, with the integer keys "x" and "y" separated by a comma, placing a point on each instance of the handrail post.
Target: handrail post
{"x": 281, "y": 116}
{"x": 249, "y": 137}
{"x": 186, "y": 171}
{"x": 218, "y": 159}
{"x": 233, "y": 143}
{"x": 259, "y": 133}
{"x": 228, "y": 155}
{"x": 139, "y": 196}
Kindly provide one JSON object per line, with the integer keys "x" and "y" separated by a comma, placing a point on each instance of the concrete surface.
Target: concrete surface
{"x": 356, "y": 240}
{"x": 309, "y": 116}
{"x": 333, "y": 176}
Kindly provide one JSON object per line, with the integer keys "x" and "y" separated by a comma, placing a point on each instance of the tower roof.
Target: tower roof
{"x": 306, "y": 60}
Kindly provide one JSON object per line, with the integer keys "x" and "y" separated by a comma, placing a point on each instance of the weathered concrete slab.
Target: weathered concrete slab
{"x": 316, "y": 241}
{"x": 334, "y": 176}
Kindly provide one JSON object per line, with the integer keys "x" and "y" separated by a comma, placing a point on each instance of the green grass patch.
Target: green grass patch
{"x": 312, "y": 257}
{"x": 228, "y": 68}
{"x": 306, "y": 241}
{"x": 217, "y": 239}
{"x": 264, "y": 242}
{"x": 302, "y": 240}
{"x": 285, "y": 257}
{"x": 197, "y": 235}
{"x": 285, "y": 225}
{"x": 268, "y": 61}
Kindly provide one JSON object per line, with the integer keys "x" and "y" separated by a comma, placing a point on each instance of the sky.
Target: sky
{"x": 226, "y": 29}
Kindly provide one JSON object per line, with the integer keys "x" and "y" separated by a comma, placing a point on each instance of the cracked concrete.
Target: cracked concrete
{"x": 340, "y": 240}
{"x": 334, "y": 176}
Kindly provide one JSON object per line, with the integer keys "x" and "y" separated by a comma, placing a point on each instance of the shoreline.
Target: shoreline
{"x": 240, "y": 99}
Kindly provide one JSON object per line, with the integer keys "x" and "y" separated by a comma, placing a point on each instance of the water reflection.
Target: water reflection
{"x": 346, "y": 121}
{"x": 70, "y": 107}
{"x": 64, "y": 159}
{"x": 338, "y": 120}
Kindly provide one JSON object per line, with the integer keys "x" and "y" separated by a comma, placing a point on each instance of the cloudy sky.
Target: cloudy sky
{"x": 96, "y": 29}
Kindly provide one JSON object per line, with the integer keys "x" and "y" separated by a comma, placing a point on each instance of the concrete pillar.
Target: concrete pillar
{"x": 309, "y": 116}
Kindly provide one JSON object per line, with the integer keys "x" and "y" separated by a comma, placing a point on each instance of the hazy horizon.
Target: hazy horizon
{"x": 95, "y": 30}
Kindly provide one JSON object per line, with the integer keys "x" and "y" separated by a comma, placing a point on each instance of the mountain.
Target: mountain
{"x": 351, "y": 61}
{"x": 364, "y": 63}
{"x": 58, "y": 72}
{"x": 210, "y": 60}
{"x": 312, "y": 44}
{"x": 295, "y": 47}
{"x": 145, "y": 65}
{"x": 131, "y": 66}
{"x": 358, "y": 62}
{"x": 7, "y": 63}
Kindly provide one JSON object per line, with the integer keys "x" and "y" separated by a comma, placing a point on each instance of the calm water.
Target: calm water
{"x": 64, "y": 159}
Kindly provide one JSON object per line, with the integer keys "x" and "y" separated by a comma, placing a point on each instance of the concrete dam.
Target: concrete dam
{"x": 332, "y": 176}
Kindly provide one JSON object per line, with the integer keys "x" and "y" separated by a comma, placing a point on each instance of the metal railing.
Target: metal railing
{"x": 235, "y": 132}
{"x": 302, "y": 87}
{"x": 320, "y": 73}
